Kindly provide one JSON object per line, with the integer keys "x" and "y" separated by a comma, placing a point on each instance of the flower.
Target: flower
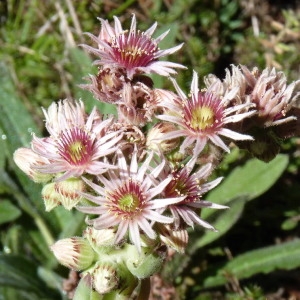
{"x": 107, "y": 85}
{"x": 129, "y": 199}
{"x": 76, "y": 141}
{"x": 201, "y": 118}
{"x": 267, "y": 90}
{"x": 135, "y": 51}
{"x": 272, "y": 96}
{"x": 190, "y": 184}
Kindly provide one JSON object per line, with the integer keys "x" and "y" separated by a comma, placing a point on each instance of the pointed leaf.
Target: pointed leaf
{"x": 20, "y": 273}
{"x": 8, "y": 212}
{"x": 251, "y": 180}
{"x": 222, "y": 220}
{"x": 284, "y": 256}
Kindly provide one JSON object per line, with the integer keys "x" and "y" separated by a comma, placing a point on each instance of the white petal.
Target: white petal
{"x": 158, "y": 203}
{"x": 218, "y": 142}
{"x": 134, "y": 235}
{"x": 234, "y": 135}
{"x": 145, "y": 226}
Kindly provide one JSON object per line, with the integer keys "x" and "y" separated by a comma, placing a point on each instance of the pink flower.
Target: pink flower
{"x": 202, "y": 118}
{"x": 77, "y": 142}
{"x": 135, "y": 51}
{"x": 191, "y": 186}
{"x": 129, "y": 199}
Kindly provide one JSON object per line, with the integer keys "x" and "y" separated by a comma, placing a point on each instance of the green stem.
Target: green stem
{"x": 44, "y": 230}
{"x": 26, "y": 206}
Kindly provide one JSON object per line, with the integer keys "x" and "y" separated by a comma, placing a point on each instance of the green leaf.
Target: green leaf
{"x": 243, "y": 184}
{"x": 8, "y": 212}
{"x": 17, "y": 130}
{"x": 222, "y": 221}
{"x": 20, "y": 273}
{"x": 284, "y": 256}
{"x": 85, "y": 292}
{"x": 250, "y": 180}
{"x": 72, "y": 222}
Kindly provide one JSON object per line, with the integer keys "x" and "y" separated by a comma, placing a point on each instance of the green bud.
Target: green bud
{"x": 75, "y": 253}
{"x": 84, "y": 290}
{"x": 50, "y": 196}
{"x": 99, "y": 237}
{"x": 145, "y": 266}
{"x": 105, "y": 278}
{"x": 68, "y": 191}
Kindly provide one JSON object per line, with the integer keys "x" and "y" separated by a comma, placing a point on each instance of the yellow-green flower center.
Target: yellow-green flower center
{"x": 202, "y": 118}
{"x": 77, "y": 150}
{"x": 76, "y": 146}
{"x": 129, "y": 202}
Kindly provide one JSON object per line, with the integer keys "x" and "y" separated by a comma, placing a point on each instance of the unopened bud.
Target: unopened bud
{"x": 100, "y": 237}
{"x": 156, "y": 141}
{"x": 105, "y": 278}
{"x": 175, "y": 239}
{"x": 68, "y": 191}
{"x": 75, "y": 253}
{"x": 26, "y": 159}
{"x": 50, "y": 196}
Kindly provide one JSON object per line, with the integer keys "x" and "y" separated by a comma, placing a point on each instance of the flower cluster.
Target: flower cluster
{"x": 141, "y": 175}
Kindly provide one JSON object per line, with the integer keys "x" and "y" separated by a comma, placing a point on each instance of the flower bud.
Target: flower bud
{"x": 105, "y": 278}
{"x": 68, "y": 191}
{"x": 85, "y": 290}
{"x": 175, "y": 239}
{"x": 99, "y": 238}
{"x": 155, "y": 140}
{"x": 50, "y": 196}
{"x": 75, "y": 253}
{"x": 26, "y": 159}
{"x": 145, "y": 266}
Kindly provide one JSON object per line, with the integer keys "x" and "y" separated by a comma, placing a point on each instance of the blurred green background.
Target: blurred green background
{"x": 256, "y": 254}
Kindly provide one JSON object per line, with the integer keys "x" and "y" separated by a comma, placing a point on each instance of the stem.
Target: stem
{"x": 145, "y": 289}
{"x": 28, "y": 208}
{"x": 44, "y": 230}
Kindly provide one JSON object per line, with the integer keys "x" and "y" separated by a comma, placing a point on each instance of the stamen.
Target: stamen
{"x": 76, "y": 146}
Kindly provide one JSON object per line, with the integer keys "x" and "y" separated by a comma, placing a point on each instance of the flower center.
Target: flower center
{"x": 134, "y": 49}
{"x": 202, "y": 118}
{"x": 76, "y": 146}
{"x": 183, "y": 185}
{"x": 203, "y": 113}
{"x": 127, "y": 200}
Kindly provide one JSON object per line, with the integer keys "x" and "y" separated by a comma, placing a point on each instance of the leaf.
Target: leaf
{"x": 71, "y": 222}
{"x": 250, "y": 180}
{"x": 17, "y": 130}
{"x": 243, "y": 184}
{"x": 284, "y": 256}
{"x": 222, "y": 221}
{"x": 8, "y": 212}
{"x": 20, "y": 273}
